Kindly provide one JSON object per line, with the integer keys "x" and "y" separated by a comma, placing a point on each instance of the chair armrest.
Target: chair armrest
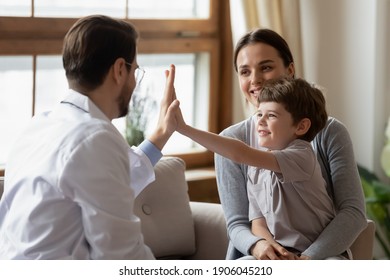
{"x": 211, "y": 239}
{"x": 362, "y": 247}
{"x": 165, "y": 213}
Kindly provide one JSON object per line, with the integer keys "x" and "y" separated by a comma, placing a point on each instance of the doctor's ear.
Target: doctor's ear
{"x": 119, "y": 70}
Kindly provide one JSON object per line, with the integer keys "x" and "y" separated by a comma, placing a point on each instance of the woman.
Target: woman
{"x": 260, "y": 55}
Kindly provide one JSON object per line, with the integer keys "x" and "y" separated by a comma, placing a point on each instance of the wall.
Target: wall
{"x": 382, "y": 102}
{"x": 345, "y": 45}
{"x": 344, "y": 50}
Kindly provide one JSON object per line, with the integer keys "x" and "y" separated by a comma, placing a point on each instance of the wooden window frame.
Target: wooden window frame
{"x": 44, "y": 36}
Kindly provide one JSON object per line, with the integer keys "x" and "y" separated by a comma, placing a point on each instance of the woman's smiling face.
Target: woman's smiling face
{"x": 256, "y": 63}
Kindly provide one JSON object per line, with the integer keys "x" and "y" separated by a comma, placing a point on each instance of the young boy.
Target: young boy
{"x": 288, "y": 201}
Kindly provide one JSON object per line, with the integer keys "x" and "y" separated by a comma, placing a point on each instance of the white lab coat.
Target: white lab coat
{"x": 67, "y": 191}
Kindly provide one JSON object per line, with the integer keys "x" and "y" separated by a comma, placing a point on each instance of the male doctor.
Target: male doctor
{"x": 71, "y": 178}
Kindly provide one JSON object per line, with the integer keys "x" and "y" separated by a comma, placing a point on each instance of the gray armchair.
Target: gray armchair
{"x": 175, "y": 228}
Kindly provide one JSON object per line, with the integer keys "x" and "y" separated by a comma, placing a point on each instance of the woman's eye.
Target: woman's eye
{"x": 266, "y": 68}
{"x": 244, "y": 73}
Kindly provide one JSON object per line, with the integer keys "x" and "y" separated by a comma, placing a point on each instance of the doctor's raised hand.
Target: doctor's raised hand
{"x": 166, "y": 123}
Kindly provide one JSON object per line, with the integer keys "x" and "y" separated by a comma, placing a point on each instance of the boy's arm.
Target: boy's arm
{"x": 260, "y": 228}
{"x": 229, "y": 147}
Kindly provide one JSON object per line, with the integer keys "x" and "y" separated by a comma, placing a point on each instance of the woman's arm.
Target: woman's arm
{"x": 334, "y": 150}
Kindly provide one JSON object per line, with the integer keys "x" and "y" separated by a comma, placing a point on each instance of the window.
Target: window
{"x": 191, "y": 84}
{"x": 183, "y": 32}
{"x": 150, "y": 9}
{"x": 15, "y": 109}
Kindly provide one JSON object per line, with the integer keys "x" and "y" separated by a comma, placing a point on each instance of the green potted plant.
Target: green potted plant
{"x": 377, "y": 195}
{"x": 140, "y": 108}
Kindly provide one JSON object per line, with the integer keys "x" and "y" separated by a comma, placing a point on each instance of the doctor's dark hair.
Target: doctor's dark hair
{"x": 300, "y": 99}
{"x": 91, "y": 47}
{"x": 266, "y": 36}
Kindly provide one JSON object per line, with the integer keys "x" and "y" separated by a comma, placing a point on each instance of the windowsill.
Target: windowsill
{"x": 198, "y": 174}
{"x": 202, "y": 184}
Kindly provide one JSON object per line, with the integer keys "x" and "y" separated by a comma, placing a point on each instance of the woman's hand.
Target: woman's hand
{"x": 303, "y": 257}
{"x": 266, "y": 250}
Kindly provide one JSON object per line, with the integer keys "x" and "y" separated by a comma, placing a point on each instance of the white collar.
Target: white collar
{"x": 85, "y": 104}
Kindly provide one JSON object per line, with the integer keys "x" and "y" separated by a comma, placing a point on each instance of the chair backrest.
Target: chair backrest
{"x": 362, "y": 248}
{"x": 164, "y": 209}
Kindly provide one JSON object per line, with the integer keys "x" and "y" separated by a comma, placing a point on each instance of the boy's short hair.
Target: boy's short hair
{"x": 300, "y": 98}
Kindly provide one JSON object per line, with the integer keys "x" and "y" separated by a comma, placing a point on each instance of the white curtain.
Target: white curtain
{"x": 281, "y": 16}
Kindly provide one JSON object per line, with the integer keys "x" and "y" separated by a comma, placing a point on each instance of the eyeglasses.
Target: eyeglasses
{"x": 138, "y": 72}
